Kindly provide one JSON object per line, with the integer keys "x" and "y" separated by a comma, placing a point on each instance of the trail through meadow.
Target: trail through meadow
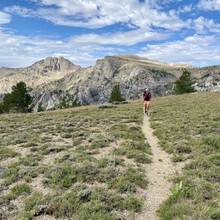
{"x": 158, "y": 172}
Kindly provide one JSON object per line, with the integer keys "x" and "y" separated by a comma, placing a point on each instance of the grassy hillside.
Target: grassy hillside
{"x": 188, "y": 127}
{"x": 87, "y": 162}
{"x": 81, "y": 163}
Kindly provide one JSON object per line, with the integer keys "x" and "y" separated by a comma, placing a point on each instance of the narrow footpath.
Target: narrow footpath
{"x": 158, "y": 173}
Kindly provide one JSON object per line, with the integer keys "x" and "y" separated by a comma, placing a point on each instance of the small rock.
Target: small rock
{"x": 40, "y": 209}
{"x": 216, "y": 119}
{"x": 124, "y": 102}
{"x": 107, "y": 106}
{"x": 217, "y": 129}
{"x": 3, "y": 170}
{"x": 70, "y": 125}
{"x": 84, "y": 194}
{"x": 116, "y": 103}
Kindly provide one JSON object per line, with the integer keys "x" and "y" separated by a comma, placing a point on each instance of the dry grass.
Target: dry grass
{"x": 69, "y": 161}
{"x": 85, "y": 163}
{"x": 186, "y": 126}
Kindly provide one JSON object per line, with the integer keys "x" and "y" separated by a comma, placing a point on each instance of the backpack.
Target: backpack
{"x": 147, "y": 96}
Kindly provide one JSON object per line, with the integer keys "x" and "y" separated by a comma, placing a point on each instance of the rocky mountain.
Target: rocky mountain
{"x": 40, "y": 73}
{"x": 57, "y": 82}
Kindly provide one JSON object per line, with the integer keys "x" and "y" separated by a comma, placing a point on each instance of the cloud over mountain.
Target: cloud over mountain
{"x": 84, "y": 31}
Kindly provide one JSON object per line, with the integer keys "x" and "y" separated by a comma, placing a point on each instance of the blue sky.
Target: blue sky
{"x": 175, "y": 31}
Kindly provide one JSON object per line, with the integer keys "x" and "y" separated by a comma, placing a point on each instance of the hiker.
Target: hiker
{"x": 147, "y": 98}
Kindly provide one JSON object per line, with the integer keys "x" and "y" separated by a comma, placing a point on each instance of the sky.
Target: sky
{"x": 174, "y": 31}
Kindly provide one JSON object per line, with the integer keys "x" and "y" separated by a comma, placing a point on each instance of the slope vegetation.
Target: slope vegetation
{"x": 93, "y": 163}
{"x": 188, "y": 127}
{"x": 82, "y": 163}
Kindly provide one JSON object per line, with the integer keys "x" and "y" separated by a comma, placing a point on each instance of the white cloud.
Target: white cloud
{"x": 21, "y": 11}
{"x": 144, "y": 22}
{"x": 209, "y": 4}
{"x": 122, "y": 39}
{"x": 185, "y": 9}
{"x": 202, "y": 25}
{"x": 21, "y": 51}
{"x": 198, "y": 50}
{"x": 170, "y": 1}
{"x": 98, "y": 13}
{"x": 4, "y": 18}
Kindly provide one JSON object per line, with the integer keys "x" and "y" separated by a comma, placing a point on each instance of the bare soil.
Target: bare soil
{"x": 158, "y": 172}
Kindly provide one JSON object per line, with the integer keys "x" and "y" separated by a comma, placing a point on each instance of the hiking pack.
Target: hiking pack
{"x": 147, "y": 96}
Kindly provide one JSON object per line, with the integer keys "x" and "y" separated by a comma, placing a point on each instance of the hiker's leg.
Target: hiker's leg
{"x": 148, "y": 106}
{"x": 145, "y": 106}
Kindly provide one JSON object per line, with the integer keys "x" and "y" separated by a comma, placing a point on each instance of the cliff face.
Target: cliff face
{"x": 209, "y": 79}
{"x": 56, "y": 81}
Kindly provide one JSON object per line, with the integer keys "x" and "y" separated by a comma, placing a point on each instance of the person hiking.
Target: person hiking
{"x": 147, "y": 98}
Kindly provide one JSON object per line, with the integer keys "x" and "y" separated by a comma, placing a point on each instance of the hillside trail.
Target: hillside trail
{"x": 158, "y": 172}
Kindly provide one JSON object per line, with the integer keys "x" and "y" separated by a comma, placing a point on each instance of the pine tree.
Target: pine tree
{"x": 18, "y": 100}
{"x": 7, "y": 103}
{"x": 40, "y": 108}
{"x": 184, "y": 83}
{"x": 116, "y": 95}
{"x": 1, "y": 108}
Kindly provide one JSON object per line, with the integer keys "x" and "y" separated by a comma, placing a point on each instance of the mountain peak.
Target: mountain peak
{"x": 54, "y": 64}
{"x": 137, "y": 60}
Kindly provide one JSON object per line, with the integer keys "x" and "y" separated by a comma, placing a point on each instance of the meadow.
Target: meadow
{"x": 80, "y": 163}
{"x": 88, "y": 162}
{"x": 188, "y": 127}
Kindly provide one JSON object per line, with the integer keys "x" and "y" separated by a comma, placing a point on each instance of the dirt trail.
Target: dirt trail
{"x": 158, "y": 173}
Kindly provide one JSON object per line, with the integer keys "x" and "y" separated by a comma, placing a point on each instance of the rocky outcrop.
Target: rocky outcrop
{"x": 56, "y": 82}
{"x": 209, "y": 79}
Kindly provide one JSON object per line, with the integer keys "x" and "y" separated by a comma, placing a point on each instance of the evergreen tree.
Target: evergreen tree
{"x": 116, "y": 95}
{"x": 184, "y": 84}
{"x": 18, "y": 100}
{"x": 1, "y": 108}
{"x": 40, "y": 108}
{"x": 7, "y": 103}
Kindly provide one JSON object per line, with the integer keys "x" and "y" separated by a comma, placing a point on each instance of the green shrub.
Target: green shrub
{"x": 33, "y": 200}
{"x": 133, "y": 204}
{"x": 94, "y": 210}
{"x": 215, "y": 215}
{"x": 128, "y": 181}
{"x": 112, "y": 201}
{"x": 6, "y": 152}
{"x": 64, "y": 206}
{"x": 87, "y": 172}
{"x": 17, "y": 190}
{"x": 20, "y": 189}
{"x": 61, "y": 177}
{"x": 24, "y": 215}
